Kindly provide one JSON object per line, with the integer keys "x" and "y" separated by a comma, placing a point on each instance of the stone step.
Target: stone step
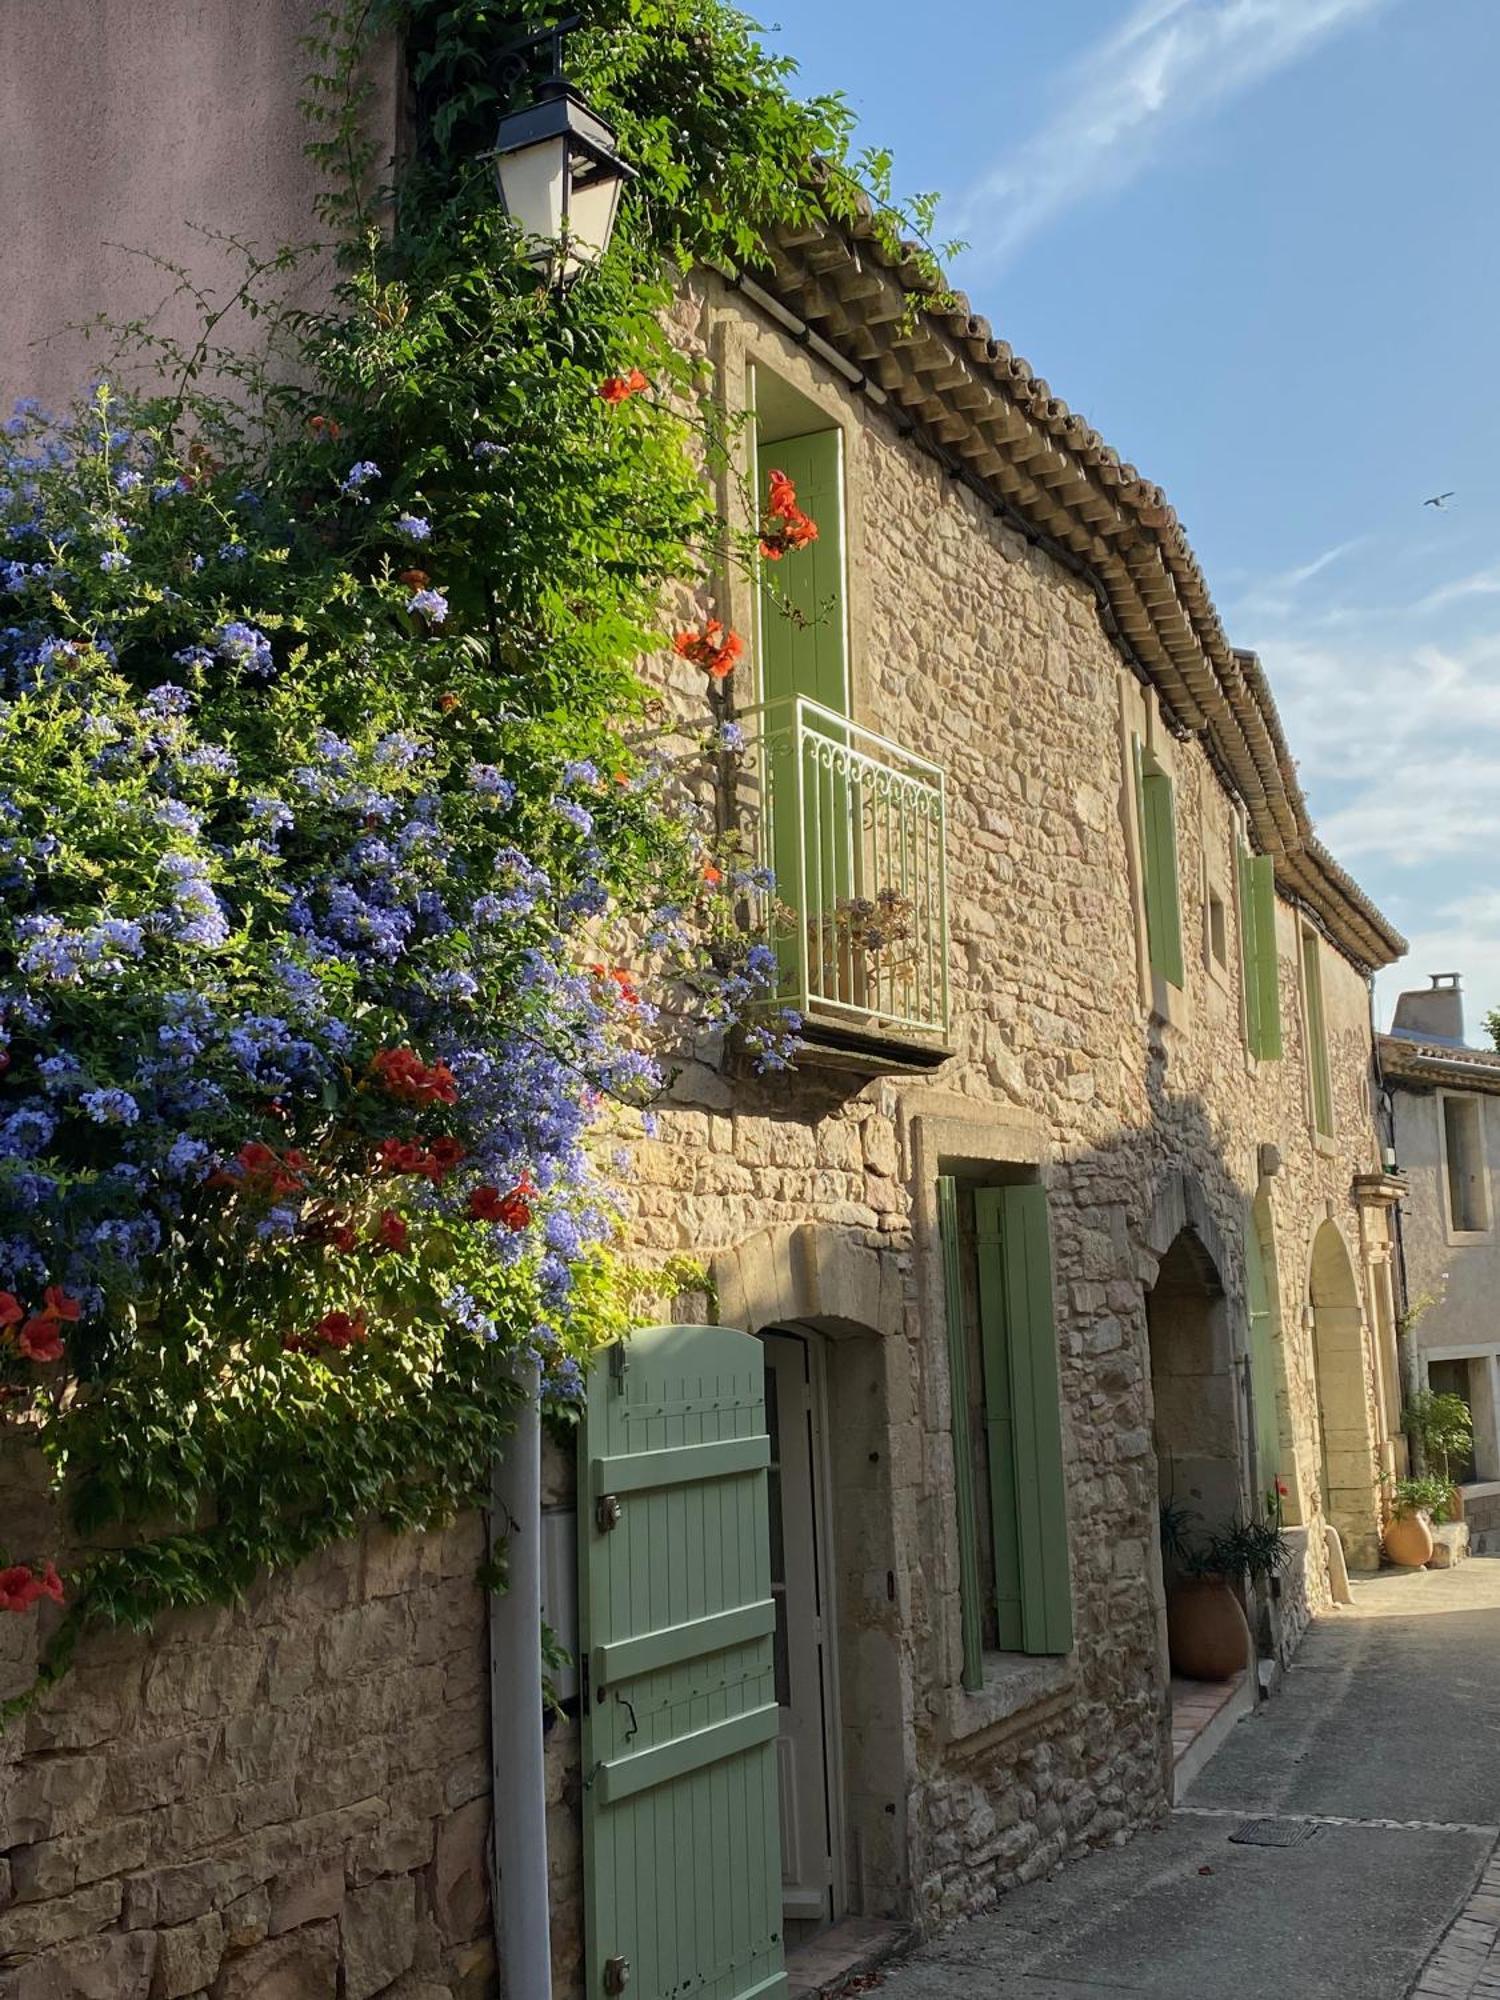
{"x": 1450, "y": 1545}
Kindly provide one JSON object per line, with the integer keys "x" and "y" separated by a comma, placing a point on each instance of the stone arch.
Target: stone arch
{"x": 1347, "y": 1442}
{"x": 1180, "y": 1203}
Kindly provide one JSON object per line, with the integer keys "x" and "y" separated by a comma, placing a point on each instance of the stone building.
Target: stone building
{"x": 1074, "y": 1204}
{"x": 1447, "y": 1140}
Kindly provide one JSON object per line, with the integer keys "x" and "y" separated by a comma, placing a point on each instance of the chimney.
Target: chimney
{"x": 1436, "y": 1015}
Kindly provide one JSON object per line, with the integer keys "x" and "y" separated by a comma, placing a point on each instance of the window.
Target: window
{"x": 1258, "y": 955}
{"x": 1157, "y": 828}
{"x": 1007, "y": 1422}
{"x": 1463, "y": 1157}
{"x": 1216, "y": 930}
{"x": 1320, "y": 1085}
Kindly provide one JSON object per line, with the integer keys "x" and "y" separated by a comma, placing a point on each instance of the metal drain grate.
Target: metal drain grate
{"x": 1273, "y": 1833}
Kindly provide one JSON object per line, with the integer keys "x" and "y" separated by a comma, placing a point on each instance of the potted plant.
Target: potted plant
{"x": 1415, "y": 1505}
{"x": 1442, "y": 1426}
{"x": 1208, "y": 1637}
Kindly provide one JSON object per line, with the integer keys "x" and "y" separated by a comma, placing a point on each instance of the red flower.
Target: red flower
{"x": 446, "y": 1154}
{"x": 712, "y": 876}
{"x": 39, "y": 1340}
{"x": 487, "y": 1204}
{"x": 19, "y": 1588}
{"x": 448, "y": 702}
{"x": 265, "y": 1171}
{"x": 784, "y": 526}
{"x": 400, "y": 1156}
{"x": 615, "y": 389}
{"x": 391, "y": 1232}
{"x": 406, "y": 1076}
{"x": 714, "y": 649}
{"x": 49, "y": 1583}
{"x": 12, "y": 1312}
{"x": 418, "y": 579}
{"x": 59, "y": 1304}
{"x": 325, "y": 427}
{"x": 341, "y": 1329}
{"x": 344, "y": 1238}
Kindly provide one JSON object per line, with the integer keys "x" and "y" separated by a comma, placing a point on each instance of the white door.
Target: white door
{"x": 804, "y": 1668}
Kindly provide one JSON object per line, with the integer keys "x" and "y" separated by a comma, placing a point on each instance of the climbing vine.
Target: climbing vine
{"x": 349, "y": 914}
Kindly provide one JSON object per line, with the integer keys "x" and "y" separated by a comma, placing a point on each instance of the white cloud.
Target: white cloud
{"x": 1483, "y": 583}
{"x": 1170, "y": 62}
{"x": 1464, "y": 937}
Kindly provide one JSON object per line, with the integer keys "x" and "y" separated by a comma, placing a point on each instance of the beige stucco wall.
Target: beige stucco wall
{"x": 141, "y": 129}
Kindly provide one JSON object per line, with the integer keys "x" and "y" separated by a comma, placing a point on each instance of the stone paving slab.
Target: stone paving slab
{"x": 1182, "y": 1914}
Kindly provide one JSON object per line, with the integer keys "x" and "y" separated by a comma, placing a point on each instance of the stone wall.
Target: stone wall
{"x": 285, "y": 1801}
{"x": 812, "y": 1197}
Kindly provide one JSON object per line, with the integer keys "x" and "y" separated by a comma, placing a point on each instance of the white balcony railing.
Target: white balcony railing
{"x": 852, "y": 828}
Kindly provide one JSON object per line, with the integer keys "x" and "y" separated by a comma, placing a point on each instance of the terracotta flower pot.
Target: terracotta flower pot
{"x": 1408, "y": 1540}
{"x": 1207, "y": 1636}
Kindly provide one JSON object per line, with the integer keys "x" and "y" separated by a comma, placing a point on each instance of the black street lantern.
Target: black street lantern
{"x": 558, "y": 173}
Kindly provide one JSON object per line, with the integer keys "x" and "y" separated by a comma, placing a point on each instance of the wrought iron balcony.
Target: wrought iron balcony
{"x": 852, "y": 828}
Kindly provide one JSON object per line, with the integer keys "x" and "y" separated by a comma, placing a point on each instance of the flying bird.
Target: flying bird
{"x": 1439, "y": 499}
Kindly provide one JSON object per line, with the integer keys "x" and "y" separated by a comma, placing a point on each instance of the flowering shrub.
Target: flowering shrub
{"x": 344, "y": 922}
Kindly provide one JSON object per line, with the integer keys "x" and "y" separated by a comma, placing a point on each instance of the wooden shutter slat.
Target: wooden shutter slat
{"x": 959, "y": 1390}
{"x": 1249, "y": 952}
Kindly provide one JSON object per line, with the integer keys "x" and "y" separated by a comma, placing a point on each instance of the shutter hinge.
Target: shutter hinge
{"x": 616, "y": 1974}
{"x": 583, "y": 1681}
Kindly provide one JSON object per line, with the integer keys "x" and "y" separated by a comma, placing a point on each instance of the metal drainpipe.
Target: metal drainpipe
{"x": 519, "y": 1884}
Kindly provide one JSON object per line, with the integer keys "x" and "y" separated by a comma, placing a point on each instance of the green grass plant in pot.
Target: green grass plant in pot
{"x": 1208, "y": 1636}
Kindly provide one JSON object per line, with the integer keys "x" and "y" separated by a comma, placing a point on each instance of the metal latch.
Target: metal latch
{"x": 616, "y": 1974}
{"x": 607, "y": 1512}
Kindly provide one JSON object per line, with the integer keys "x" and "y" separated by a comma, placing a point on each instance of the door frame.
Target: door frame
{"x": 814, "y": 1345}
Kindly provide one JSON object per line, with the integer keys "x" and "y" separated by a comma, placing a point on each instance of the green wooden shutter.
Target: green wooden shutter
{"x": 1262, "y": 1354}
{"x": 682, "y": 1861}
{"x": 804, "y": 653}
{"x": 970, "y": 1593}
{"x": 1317, "y": 1035}
{"x": 1267, "y": 961}
{"x": 1157, "y": 832}
{"x": 1024, "y": 1411}
{"x": 1249, "y": 952}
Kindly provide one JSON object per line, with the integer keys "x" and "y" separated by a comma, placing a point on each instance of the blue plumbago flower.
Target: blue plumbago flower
{"x": 400, "y": 749}
{"x": 359, "y": 476}
{"x": 110, "y": 1107}
{"x": 168, "y": 699}
{"x": 487, "y": 781}
{"x": 188, "y": 1159}
{"x": 211, "y": 757}
{"x": 574, "y": 814}
{"x": 193, "y": 656}
{"x": 487, "y": 448}
{"x": 583, "y": 771}
{"x": 107, "y": 944}
{"x": 112, "y": 560}
{"x": 127, "y": 479}
{"x": 278, "y": 1224}
{"x": 242, "y": 646}
{"x": 412, "y": 527}
{"x": 428, "y": 604}
{"x": 730, "y": 737}
{"x": 176, "y": 817}
{"x": 270, "y": 815}
{"x": 59, "y": 1073}
{"x": 232, "y": 552}
{"x": 26, "y": 1132}
{"x": 48, "y": 953}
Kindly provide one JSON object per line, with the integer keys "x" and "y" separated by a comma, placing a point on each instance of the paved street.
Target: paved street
{"x": 1379, "y": 1761}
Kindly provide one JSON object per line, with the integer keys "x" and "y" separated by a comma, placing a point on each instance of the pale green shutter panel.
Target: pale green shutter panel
{"x": 1023, "y": 1402}
{"x": 970, "y": 1595}
{"x": 1262, "y": 1353}
{"x": 1317, "y": 1035}
{"x": 1163, "y": 912}
{"x": 1267, "y": 964}
{"x": 803, "y": 653}
{"x": 1249, "y": 952}
{"x": 682, "y": 1851}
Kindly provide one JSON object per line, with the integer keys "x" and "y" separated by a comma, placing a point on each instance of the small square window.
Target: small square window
{"x": 1463, "y": 1153}
{"x": 1218, "y": 932}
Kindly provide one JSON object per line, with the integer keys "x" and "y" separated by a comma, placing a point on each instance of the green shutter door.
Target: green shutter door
{"x": 682, "y": 1866}
{"x": 1023, "y": 1403}
{"x": 802, "y": 652}
{"x": 802, "y": 596}
{"x": 1163, "y": 910}
{"x": 970, "y": 1594}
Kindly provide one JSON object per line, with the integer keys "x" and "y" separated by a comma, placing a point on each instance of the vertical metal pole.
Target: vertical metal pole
{"x": 517, "y": 1753}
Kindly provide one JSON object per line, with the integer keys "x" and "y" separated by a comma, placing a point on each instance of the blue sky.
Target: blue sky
{"x": 1254, "y": 242}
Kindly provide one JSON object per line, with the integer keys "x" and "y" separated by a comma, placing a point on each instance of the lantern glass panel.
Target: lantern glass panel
{"x": 533, "y": 188}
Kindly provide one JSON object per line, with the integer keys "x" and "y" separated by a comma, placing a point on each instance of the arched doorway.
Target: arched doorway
{"x": 1195, "y": 1407}
{"x": 1347, "y": 1446}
